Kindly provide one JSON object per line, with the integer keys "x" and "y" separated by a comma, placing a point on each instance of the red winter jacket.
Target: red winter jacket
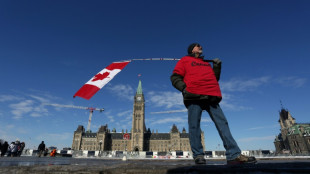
{"x": 198, "y": 77}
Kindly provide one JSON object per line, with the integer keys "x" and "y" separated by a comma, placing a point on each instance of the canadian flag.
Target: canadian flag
{"x": 99, "y": 80}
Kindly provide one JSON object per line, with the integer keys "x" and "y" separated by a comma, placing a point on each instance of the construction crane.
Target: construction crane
{"x": 91, "y": 110}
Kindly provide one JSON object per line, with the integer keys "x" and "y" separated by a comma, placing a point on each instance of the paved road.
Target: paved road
{"x": 66, "y": 165}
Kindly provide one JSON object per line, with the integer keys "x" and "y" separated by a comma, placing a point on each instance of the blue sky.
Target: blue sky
{"x": 49, "y": 49}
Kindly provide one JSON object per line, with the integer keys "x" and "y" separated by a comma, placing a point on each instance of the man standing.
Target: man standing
{"x": 20, "y": 149}
{"x": 10, "y": 149}
{"x": 41, "y": 148}
{"x": 15, "y": 149}
{"x": 4, "y": 148}
{"x": 198, "y": 82}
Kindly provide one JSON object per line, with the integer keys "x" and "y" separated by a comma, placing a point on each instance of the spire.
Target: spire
{"x": 174, "y": 129}
{"x": 139, "y": 90}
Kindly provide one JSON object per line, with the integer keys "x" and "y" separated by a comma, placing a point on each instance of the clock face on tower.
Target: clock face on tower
{"x": 138, "y": 98}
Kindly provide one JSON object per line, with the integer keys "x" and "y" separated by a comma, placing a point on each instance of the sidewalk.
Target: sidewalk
{"x": 34, "y": 165}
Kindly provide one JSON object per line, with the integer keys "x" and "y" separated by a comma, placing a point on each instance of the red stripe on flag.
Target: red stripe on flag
{"x": 87, "y": 91}
{"x": 117, "y": 65}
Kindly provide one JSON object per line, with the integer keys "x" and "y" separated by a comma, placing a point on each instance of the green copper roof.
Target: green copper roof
{"x": 296, "y": 129}
{"x": 139, "y": 90}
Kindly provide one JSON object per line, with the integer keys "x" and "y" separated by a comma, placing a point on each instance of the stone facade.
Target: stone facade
{"x": 141, "y": 139}
{"x": 294, "y": 138}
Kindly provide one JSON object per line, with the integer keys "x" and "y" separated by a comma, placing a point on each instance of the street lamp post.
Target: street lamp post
{"x": 170, "y": 148}
{"x": 100, "y": 143}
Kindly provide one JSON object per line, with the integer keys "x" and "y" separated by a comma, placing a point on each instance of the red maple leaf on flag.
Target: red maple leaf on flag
{"x": 100, "y": 76}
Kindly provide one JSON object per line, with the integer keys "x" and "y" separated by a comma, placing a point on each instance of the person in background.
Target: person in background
{"x": 15, "y": 149}
{"x": 4, "y": 148}
{"x": 20, "y": 149}
{"x": 53, "y": 153}
{"x": 10, "y": 149}
{"x": 41, "y": 148}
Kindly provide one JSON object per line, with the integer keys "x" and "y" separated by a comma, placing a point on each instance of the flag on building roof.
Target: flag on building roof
{"x": 99, "y": 80}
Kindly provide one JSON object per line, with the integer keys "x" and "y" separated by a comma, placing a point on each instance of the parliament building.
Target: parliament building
{"x": 294, "y": 138}
{"x": 138, "y": 139}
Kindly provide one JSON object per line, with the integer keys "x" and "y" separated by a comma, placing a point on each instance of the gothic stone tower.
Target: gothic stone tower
{"x": 77, "y": 138}
{"x": 281, "y": 141}
{"x": 286, "y": 121}
{"x": 138, "y": 121}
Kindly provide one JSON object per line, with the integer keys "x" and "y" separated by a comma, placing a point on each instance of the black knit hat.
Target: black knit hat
{"x": 191, "y": 47}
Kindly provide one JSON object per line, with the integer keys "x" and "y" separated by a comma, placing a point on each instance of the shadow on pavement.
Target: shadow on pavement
{"x": 279, "y": 168}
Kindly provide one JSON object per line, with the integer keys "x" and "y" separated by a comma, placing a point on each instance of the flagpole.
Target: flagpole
{"x": 156, "y": 59}
{"x": 129, "y": 60}
{"x": 165, "y": 59}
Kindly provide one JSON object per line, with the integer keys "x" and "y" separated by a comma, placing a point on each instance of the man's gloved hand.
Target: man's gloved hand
{"x": 217, "y": 61}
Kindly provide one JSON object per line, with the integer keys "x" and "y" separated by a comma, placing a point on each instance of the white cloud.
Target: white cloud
{"x": 264, "y": 127}
{"x": 252, "y": 139}
{"x": 27, "y": 107}
{"x": 229, "y": 102}
{"x": 165, "y": 99}
{"x": 244, "y": 85}
{"x": 123, "y": 91}
{"x": 241, "y": 85}
{"x": 36, "y": 114}
{"x": 206, "y": 120}
{"x": 126, "y": 117}
{"x": 111, "y": 118}
{"x": 39, "y": 111}
{"x": 292, "y": 81}
{"x": 4, "y": 98}
{"x": 125, "y": 113}
{"x": 256, "y": 128}
{"x": 170, "y": 120}
{"x": 122, "y": 126}
{"x": 21, "y": 108}
{"x": 40, "y": 99}
{"x": 42, "y": 95}
{"x": 169, "y": 111}
{"x": 95, "y": 127}
{"x": 10, "y": 126}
